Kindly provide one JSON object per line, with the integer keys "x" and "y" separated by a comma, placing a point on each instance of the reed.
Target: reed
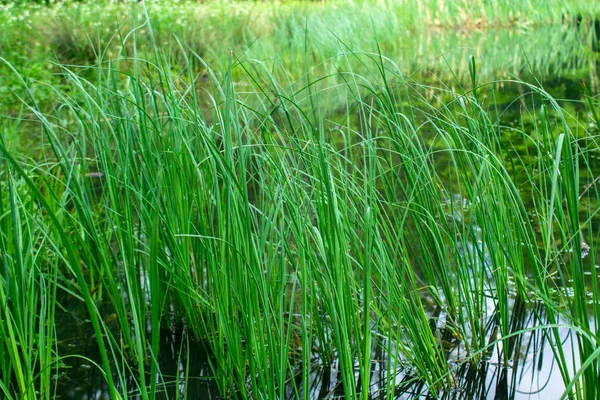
{"x": 287, "y": 237}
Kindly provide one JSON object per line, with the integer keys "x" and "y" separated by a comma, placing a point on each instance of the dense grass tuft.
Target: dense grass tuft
{"x": 409, "y": 224}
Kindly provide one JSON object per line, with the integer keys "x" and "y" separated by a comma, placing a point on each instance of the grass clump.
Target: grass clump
{"x": 287, "y": 239}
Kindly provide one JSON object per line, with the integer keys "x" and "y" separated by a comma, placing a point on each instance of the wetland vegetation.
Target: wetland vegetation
{"x": 361, "y": 200}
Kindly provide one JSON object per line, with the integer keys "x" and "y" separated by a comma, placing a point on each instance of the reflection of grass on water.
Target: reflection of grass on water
{"x": 282, "y": 248}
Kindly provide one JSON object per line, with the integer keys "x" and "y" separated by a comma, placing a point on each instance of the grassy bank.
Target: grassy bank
{"x": 35, "y": 37}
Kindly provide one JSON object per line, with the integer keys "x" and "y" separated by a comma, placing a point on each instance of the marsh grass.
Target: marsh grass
{"x": 284, "y": 241}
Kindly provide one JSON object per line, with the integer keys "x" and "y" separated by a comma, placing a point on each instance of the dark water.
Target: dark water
{"x": 560, "y": 58}
{"x": 531, "y": 372}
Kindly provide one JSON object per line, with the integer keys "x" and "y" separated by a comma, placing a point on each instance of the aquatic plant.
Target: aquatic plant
{"x": 235, "y": 207}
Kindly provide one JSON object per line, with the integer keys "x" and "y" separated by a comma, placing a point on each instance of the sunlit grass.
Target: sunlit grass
{"x": 284, "y": 241}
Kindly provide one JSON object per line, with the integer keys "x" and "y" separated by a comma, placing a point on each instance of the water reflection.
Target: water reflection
{"x": 185, "y": 367}
{"x": 530, "y": 373}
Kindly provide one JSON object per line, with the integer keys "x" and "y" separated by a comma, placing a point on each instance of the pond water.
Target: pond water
{"x": 532, "y": 372}
{"x": 560, "y": 58}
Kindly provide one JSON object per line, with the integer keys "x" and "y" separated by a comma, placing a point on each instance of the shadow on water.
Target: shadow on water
{"x": 530, "y": 372}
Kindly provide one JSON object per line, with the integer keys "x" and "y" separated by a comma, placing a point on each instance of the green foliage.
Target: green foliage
{"x": 233, "y": 199}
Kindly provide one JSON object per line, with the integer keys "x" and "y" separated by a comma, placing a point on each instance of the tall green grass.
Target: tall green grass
{"x": 285, "y": 237}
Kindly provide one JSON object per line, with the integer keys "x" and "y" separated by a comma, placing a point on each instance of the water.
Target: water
{"x": 531, "y": 371}
{"x": 521, "y": 367}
